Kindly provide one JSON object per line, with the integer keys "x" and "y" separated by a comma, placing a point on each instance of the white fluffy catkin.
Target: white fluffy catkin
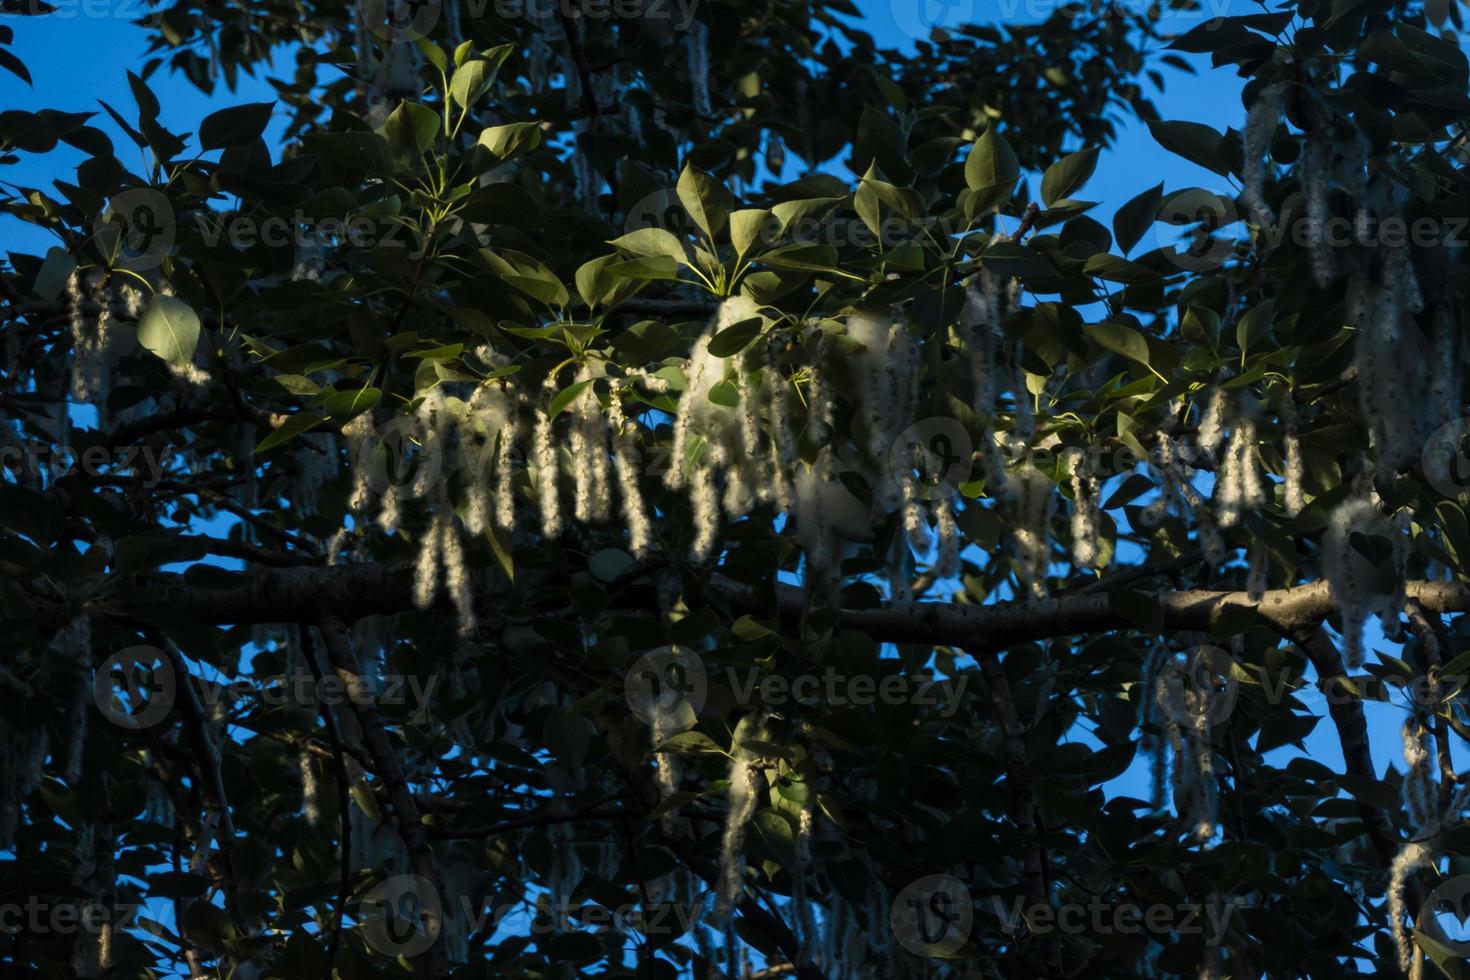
{"x": 1295, "y": 476}
{"x": 1412, "y": 856}
{"x": 1212, "y": 421}
{"x": 1031, "y": 535}
{"x": 783, "y": 439}
{"x": 426, "y": 570}
{"x": 1343, "y": 566}
{"x": 1239, "y": 488}
{"x": 981, "y": 318}
{"x": 504, "y": 494}
{"x": 625, "y": 462}
{"x": 1084, "y": 509}
{"x": 732, "y": 840}
{"x": 697, "y": 41}
{"x": 1316, "y": 180}
{"x": 547, "y": 464}
{"x": 704, "y": 502}
{"x": 457, "y": 577}
{"x": 1418, "y": 786}
{"x": 947, "y": 562}
{"x": 310, "y": 790}
{"x": 1261, "y": 123}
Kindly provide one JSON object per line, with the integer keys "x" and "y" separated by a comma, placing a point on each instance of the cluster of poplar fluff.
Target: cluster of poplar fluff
{"x": 1026, "y": 495}
{"x": 1319, "y": 170}
{"x": 1426, "y": 821}
{"x": 843, "y": 939}
{"x": 24, "y": 749}
{"x": 1358, "y": 586}
{"x": 736, "y": 445}
{"x": 1175, "y": 715}
{"x": 95, "y": 338}
{"x": 1397, "y": 354}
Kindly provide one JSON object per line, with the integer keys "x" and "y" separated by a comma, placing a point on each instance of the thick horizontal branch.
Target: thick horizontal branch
{"x": 353, "y": 591}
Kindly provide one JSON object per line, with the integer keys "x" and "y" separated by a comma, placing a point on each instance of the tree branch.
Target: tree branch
{"x": 1022, "y": 791}
{"x": 387, "y": 767}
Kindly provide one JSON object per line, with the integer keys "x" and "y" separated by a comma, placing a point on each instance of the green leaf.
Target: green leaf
{"x": 652, "y": 242}
{"x": 236, "y": 126}
{"x": 991, "y": 171}
{"x": 470, "y": 81}
{"x": 705, "y": 199}
{"x": 1068, "y": 175}
{"x": 499, "y": 539}
{"x": 170, "y": 329}
{"x": 1194, "y": 142}
{"x": 288, "y": 430}
{"x": 411, "y": 129}
{"x": 512, "y": 139}
{"x": 1135, "y": 218}
{"x": 646, "y": 268}
{"x": 1121, "y": 340}
{"x": 1255, "y": 325}
{"x": 736, "y": 337}
{"x": 527, "y": 274}
{"x": 598, "y": 286}
{"x": 432, "y": 52}
{"x": 55, "y": 271}
{"x": 789, "y": 213}
{"x": 566, "y": 396}
{"x": 746, "y": 228}
{"x": 726, "y": 394}
{"x": 816, "y": 258}
{"x": 689, "y": 743}
{"x": 344, "y": 406}
{"x": 1115, "y": 268}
